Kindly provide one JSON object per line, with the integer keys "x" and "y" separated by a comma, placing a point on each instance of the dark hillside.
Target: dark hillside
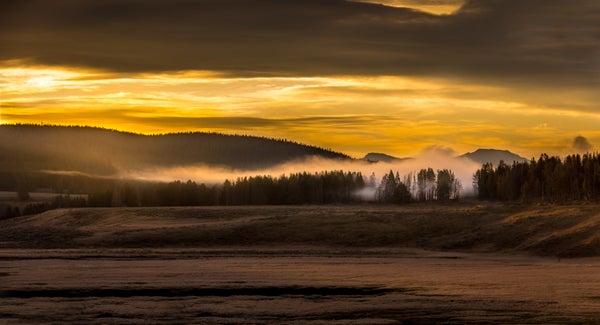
{"x": 103, "y": 152}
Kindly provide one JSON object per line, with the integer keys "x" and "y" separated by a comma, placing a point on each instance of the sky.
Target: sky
{"x": 395, "y": 76}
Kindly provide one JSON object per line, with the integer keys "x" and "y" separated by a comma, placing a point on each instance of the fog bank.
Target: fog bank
{"x": 434, "y": 157}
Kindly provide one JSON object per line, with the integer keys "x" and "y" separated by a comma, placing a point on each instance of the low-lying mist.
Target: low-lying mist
{"x": 434, "y": 157}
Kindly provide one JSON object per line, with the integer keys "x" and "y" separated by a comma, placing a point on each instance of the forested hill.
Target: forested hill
{"x": 103, "y": 152}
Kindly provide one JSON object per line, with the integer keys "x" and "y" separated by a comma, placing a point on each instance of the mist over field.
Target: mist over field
{"x": 435, "y": 157}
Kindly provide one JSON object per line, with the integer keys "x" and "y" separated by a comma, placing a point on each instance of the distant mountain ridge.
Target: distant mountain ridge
{"x": 376, "y": 156}
{"x": 103, "y": 151}
{"x": 493, "y": 156}
{"x": 480, "y": 156}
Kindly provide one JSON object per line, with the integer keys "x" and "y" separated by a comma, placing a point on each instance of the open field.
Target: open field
{"x": 545, "y": 230}
{"x": 454, "y": 264}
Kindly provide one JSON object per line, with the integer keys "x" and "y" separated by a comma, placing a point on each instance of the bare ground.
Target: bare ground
{"x": 451, "y": 264}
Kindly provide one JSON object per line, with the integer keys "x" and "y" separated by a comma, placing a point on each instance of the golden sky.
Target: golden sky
{"x": 354, "y": 77}
{"x": 405, "y": 114}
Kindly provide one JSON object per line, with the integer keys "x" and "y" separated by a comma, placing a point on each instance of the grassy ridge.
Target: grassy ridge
{"x": 567, "y": 231}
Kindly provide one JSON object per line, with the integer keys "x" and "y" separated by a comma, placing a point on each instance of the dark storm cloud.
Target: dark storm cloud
{"x": 520, "y": 40}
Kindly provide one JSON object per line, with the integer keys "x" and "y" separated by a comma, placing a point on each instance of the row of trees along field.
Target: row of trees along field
{"x": 299, "y": 188}
{"x": 552, "y": 179}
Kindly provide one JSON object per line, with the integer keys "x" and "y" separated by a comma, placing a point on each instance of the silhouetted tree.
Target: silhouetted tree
{"x": 447, "y": 186}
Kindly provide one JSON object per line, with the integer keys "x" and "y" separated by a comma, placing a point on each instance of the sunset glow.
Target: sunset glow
{"x": 436, "y": 7}
{"x": 393, "y": 76}
{"x": 398, "y": 115}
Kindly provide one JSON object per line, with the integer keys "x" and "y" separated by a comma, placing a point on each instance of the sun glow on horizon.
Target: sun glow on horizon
{"x": 436, "y": 7}
{"x": 351, "y": 114}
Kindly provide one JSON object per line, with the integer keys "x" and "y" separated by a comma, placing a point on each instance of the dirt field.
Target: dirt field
{"x": 458, "y": 264}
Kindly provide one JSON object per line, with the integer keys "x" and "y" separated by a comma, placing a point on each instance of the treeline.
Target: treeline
{"x": 551, "y": 179}
{"x": 425, "y": 185}
{"x": 60, "y": 201}
{"x": 332, "y": 187}
{"x": 299, "y": 188}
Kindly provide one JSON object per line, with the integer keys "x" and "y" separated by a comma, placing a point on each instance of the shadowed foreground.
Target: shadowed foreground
{"x": 347, "y": 264}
